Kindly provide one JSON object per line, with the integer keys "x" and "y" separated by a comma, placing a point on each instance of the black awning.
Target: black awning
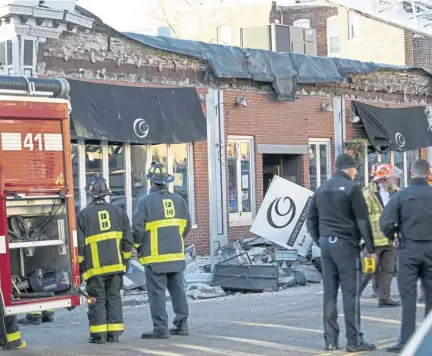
{"x": 138, "y": 115}
{"x": 403, "y": 129}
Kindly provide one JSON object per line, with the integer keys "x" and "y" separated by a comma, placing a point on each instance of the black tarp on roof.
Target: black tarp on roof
{"x": 283, "y": 70}
{"x": 403, "y": 129}
{"x": 137, "y": 115}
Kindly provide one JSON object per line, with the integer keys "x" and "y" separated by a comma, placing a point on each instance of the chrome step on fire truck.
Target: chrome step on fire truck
{"x": 39, "y": 267}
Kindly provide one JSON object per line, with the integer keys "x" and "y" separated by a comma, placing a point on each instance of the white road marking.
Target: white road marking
{"x": 159, "y": 353}
{"x": 279, "y": 326}
{"x": 214, "y": 351}
{"x": 268, "y": 344}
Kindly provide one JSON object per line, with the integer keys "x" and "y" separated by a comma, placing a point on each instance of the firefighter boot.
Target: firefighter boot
{"x": 34, "y": 318}
{"x": 48, "y": 316}
{"x": 97, "y": 339}
{"x": 182, "y": 329}
{"x": 113, "y": 338}
{"x": 21, "y": 346}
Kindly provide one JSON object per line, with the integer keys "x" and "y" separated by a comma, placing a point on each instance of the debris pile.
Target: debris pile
{"x": 248, "y": 265}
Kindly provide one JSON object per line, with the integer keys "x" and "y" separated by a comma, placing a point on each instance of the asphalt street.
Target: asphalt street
{"x": 288, "y": 322}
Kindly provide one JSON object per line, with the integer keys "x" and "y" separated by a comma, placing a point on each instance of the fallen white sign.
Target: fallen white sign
{"x": 282, "y": 216}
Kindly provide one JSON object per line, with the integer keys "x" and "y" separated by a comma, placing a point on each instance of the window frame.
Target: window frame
{"x": 128, "y": 173}
{"x": 240, "y": 218}
{"x": 353, "y": 25}
{"x": 317, "y": 142}
{"x": 333, "y": 26}
{"x": 302, "y": 21}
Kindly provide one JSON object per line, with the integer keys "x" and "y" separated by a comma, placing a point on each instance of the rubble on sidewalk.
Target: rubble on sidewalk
{"x": 204, "y": 291}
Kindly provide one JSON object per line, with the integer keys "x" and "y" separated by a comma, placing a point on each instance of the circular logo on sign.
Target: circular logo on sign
{"x": 400, "y": 140}
{"x": 141, "y": 128}
{"x": 274, "y": 212}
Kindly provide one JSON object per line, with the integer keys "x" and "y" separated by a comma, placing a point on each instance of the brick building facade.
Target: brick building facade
{"x": 226, "y": 174}
{"x": 417, "y": 48}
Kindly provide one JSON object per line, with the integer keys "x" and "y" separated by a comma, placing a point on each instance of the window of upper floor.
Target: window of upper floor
{"x": 305, "y": 23}
{"x": 353, "y": 25}
{"x": 333, "y": 35}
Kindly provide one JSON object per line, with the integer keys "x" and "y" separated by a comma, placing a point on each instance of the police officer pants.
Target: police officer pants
{"x": 157, "y": 284}
{"x": 13, "y": 335}
{"x": 106, "y": 315}
{"x": 339, "y": 259}
{"x": 386, "y": 259}
{"x": 414, "y": 261}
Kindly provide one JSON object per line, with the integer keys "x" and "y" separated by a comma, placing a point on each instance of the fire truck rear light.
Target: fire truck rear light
{"x": 2, "y": 244}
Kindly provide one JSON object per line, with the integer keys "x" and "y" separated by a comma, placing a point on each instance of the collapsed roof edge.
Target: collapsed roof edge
{"x": 283, "y": 69}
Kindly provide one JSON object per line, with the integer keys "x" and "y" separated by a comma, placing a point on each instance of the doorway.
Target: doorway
{"x": 284, "y": 166}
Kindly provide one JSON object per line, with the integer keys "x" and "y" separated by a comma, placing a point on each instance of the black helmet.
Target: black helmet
{"x": 98, "y": 187}
{"x": 158, "y": 174}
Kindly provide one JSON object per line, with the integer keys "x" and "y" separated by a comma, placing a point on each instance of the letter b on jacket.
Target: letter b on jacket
{"x": 104, "y": 220}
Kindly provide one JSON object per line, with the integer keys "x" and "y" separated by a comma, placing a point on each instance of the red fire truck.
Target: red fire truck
{"x": 39, "y": 267}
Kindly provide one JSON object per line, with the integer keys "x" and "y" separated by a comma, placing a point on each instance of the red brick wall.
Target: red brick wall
{"x": 273, "y": 122}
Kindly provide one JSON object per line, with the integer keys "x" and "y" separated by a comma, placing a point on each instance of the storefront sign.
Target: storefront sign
{"x": 282, "y": 216}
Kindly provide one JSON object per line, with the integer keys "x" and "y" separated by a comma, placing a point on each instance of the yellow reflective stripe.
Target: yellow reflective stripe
{"x": 166, "y": 223}
{"x": 127, "y": 255}
{"x": 13, "y": 336}
{"x": 381, "y": 242}
{"x": 104, "y": 236}
{"x": 169, "y": 257}
{"x": 136, "y": 245}
{"x": 95, "y": 255}
{"x": 154, "y": 243}
{"x": 98, "y": 328}
{"x": 119, "y": 252}
{"x": 374, "y": 217}
{"x": 115, "y": 327}
{"x": 50, "y": 310}
{"x": 104, "y": 270}
{"x": 80, "y": 259}
{"x": 35, "y": 313}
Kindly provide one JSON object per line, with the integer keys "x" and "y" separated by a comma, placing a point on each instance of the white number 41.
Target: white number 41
{"x": 29, "y": 139}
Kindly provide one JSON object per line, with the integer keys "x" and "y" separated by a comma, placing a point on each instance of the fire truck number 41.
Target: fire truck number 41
{"x": 29, "y": 139}
{"x": 32, "y": 142}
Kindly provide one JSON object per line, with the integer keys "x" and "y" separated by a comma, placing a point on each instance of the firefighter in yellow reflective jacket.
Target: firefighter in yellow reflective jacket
{"x": 377, "y": 194}
{"x": 160, "y": 223}
{"x": 13, "y": 335}
{"x": 37, "y": 318}
{"x": 104, "y": 245}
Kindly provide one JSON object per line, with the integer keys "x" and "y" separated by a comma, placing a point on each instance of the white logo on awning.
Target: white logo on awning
{"x": 141, "y": 128}
{"x": 400, "y": 140}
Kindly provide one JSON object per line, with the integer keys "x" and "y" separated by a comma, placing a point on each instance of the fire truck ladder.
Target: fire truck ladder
{"x": 411, "y": 15}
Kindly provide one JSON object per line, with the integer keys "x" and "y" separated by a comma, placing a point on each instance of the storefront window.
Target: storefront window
{"x": 93, "y": 162}
{"x": 116, "y": 166}
{"x": 160, "y": 154}
{"x": 75, "y": 172}
{"x": 399, "y": 163}
{"x": 139, "y": 171}
{"x": 241, "y": 188}
{"x": 232, "y": 178}
{"x": 319, "y": 162}
{"x": 179, "y": 153}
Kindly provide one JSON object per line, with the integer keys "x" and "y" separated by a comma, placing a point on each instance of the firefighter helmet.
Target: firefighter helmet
{"x": 386, "y": 170}
{"x": 158, "y": 174}
{"x": 98, "y": 187}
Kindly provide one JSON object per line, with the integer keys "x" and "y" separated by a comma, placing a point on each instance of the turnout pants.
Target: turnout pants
{"x": 386, "y": 259}
{"x": 414, "y": 261}
{"x": 13, "y": 334}
{"x": 340, "y": 265}
{"x": 157, "y": 284}
{"x": 106, "y": 315}
{"x": 44, "y": 316}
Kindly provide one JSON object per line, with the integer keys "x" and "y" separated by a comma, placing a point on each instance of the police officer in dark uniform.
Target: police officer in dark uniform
{"x": 160, "y": 223}
{"x": 409, "y": 213}
{"x": 104, "y": 244}
{"x": 338, "y": 218}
